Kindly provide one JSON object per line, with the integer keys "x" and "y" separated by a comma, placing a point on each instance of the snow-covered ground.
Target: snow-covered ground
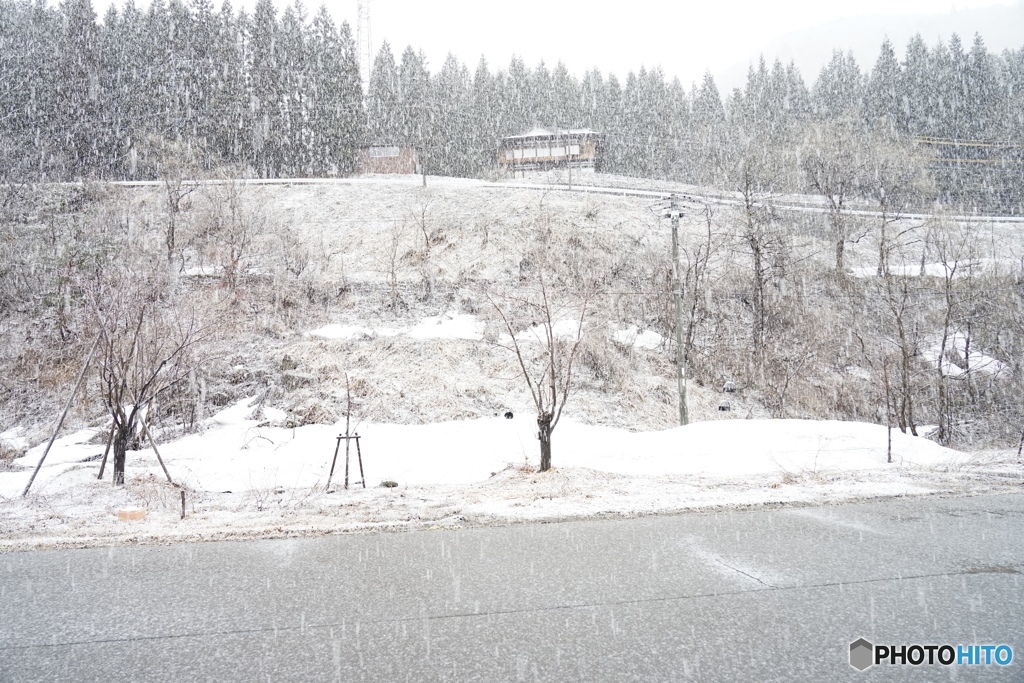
{"x": 246, "y": 477}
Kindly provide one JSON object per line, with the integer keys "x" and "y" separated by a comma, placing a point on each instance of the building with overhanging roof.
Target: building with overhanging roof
{"x": 577, "y": 150}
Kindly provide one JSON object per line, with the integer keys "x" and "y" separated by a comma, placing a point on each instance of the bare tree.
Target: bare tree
{"x": 901, "y": 323}
{"x": 954, "y": 244}
{"x": 391, "y": 260}
{"x": 177, "y": 189}
{"x": 229, "y": 231}
{"x": 895, "y": 179}
{"x": 695, "y": 273}
{"x": 833, "y": 163}
{"x": 755, "y": 167}
{"x": 544, "y": 323}
{"x": 419, "y": 215}
{"x": 147, "y": 336}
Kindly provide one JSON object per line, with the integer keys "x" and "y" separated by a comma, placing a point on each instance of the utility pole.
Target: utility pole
{"x": 674, "y": 213}
{"x": 364, "y": 47}
{"x": 568, "y": 156}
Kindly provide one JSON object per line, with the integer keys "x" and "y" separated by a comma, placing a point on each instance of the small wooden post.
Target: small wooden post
{"x": 183, "y": 503}
{"x": 103, "y": 462}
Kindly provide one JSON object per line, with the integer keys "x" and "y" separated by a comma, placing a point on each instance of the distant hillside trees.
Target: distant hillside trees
{"x": 278, "y": 94}
{"x": 274, "y": 92}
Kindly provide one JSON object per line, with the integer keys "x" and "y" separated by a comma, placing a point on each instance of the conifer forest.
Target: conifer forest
{"x": 277, "y": 93}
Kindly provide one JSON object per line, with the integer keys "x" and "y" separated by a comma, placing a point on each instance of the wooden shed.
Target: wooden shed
{"x": 387, "y": 159}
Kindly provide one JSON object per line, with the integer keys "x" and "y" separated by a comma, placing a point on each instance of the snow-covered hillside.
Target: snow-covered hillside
{"x": 376, "y": 298}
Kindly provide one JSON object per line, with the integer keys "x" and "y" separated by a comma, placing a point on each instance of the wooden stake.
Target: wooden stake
{"x": 145, "y": 430}
{"x": 360, "y": 454}
{"x": 106, "y": 451}
{"x": 336, "y": 449}
{"x": 348, "y": 394}
{"x": 183, "y": 503}
{"x": 348, "y": 440}
{"x": 63, "y": 415}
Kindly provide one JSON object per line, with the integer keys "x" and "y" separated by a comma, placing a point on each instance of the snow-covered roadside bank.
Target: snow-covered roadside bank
{"x": 247, "y": 478}
{"x": 88, "y": 518}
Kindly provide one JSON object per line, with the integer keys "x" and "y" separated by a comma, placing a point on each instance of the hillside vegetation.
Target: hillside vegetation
{"x": 376, "y": 297}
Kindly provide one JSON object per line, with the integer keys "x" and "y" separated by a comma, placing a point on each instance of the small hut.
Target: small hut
{"x": 387, "y": 159}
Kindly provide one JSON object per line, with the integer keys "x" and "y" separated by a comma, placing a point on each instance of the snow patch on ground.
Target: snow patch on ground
{"x": 250, "y": 478}
{"x": 975, "y": 361}
{"x": 632, "y": 336}
{"x": 446, "y": 326}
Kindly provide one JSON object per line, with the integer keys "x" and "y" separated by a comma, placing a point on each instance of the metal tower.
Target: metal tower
{"x": 363, "y": 43}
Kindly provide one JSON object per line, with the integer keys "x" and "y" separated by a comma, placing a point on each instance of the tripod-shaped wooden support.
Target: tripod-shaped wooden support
{"x": 359, "y": 454}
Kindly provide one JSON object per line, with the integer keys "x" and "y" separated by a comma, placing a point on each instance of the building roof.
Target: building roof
{"x": 549, "y": 133}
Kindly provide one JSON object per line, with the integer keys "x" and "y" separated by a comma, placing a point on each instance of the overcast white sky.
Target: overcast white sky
{"x": 684, "y": 38}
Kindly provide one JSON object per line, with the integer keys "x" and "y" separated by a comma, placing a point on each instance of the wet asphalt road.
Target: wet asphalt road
{"x": 774, "y": 595}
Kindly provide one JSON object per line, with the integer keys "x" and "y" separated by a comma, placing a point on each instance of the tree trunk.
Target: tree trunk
{"x": 121, "y": 439}
{"x": 544, "y": 434}
{"x": 943, "y": 435}
{"x": 759, "y": 279}
{"x": 907, "y": 399}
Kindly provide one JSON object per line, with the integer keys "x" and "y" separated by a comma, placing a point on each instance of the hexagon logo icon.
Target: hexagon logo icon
{"x": 861, "y": 654}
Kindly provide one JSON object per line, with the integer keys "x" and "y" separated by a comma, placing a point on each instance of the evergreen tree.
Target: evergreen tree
{"x": 29, "y": 44}
{"x": 839, "y": 90}
{"x": 541, "y": 98}
{"x": 265, "y": 77}
{"x": 918, "y": 97}
{"x": 334, "y": 98}
{"x": 982, "y": 90}
{"x": 415, "y": 114}
{"x": 612, "y": 122}
{"x": 229, "y": 116}
{"x": 486, "y": 111}
{"x": 798, "y": 97}
{"x": 884, "y": 91}
{"x": 293, "y": 107}
{"x": 448, "y": 152}
{"x": 78, "y": 124}
{"x": 383, "y": 104}
{"x": 518, "y": 109}
{"x": 566, "y": 97}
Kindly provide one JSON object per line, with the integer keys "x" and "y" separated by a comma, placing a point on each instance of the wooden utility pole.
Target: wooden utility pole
{"x": 674, "y": 213}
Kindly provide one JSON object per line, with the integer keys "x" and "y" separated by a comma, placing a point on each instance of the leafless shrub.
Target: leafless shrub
{"x": 8, "y": 454}
{"x": 228, "y": 230}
